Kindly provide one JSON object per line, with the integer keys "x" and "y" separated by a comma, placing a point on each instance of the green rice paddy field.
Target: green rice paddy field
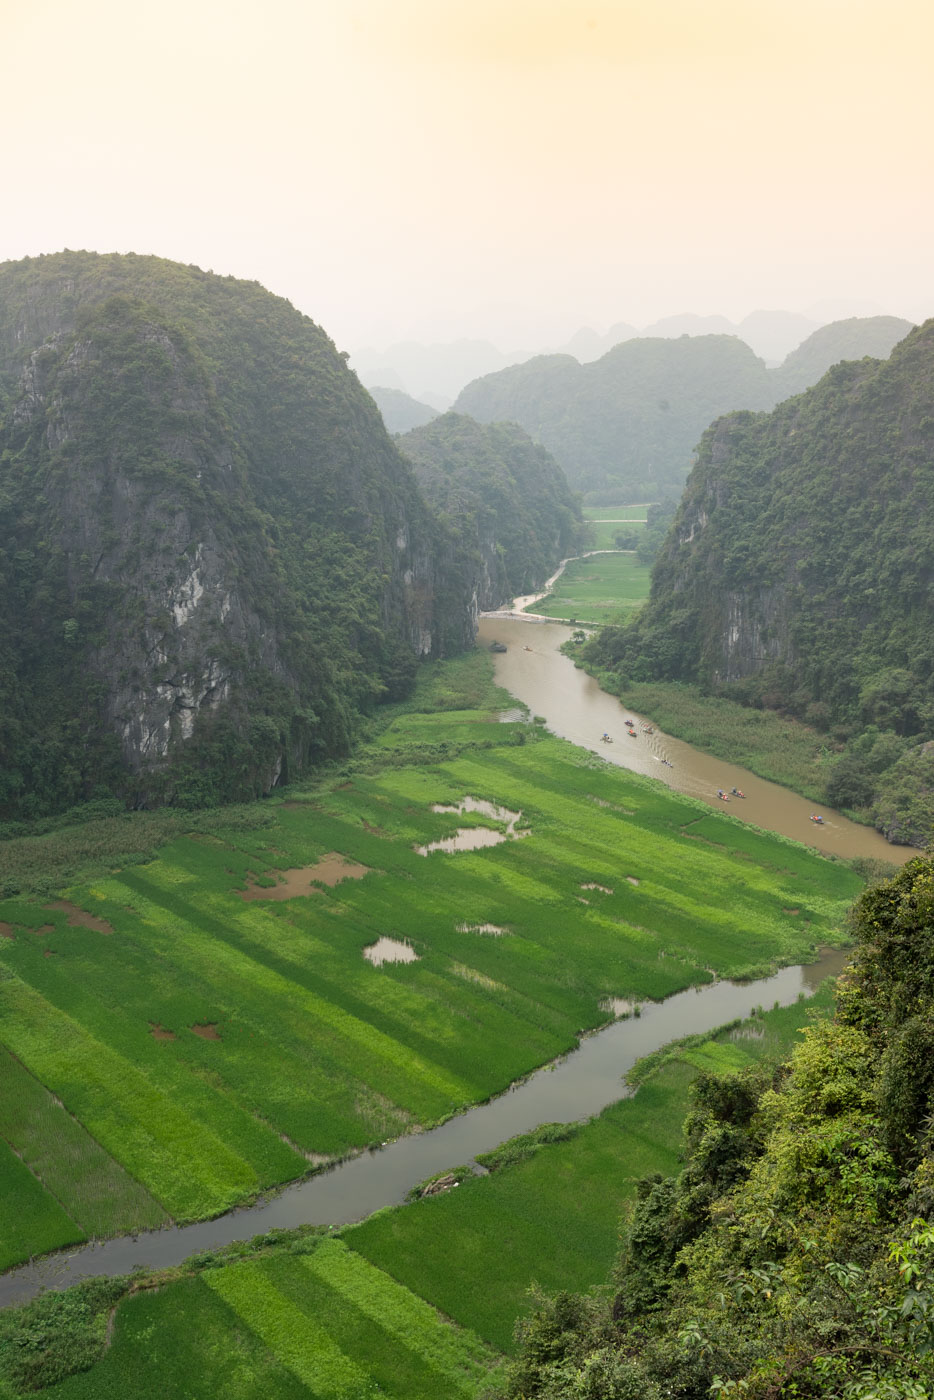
{"x": 552, "y": 1220}
{"x": 191, "y": 1029}
{"x": 321, "y": 1316}
{"x": 169, "y": 1048}
{"x": 598, "y": 589}
{"x": 312, "y": 1319}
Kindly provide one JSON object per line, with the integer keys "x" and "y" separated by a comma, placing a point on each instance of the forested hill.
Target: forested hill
{"x": 852, "y": 339}
{"x": 503, "y": 497}
{"x": 213, "y": 557}
{"x": 799, "y": 574}
{"x": 626, "y": 425}
{"x": 628, "y": 421}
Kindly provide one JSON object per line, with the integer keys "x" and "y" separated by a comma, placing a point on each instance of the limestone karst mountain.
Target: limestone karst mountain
{"x": 214, "y": 558}
{"x": 504, "y": 498}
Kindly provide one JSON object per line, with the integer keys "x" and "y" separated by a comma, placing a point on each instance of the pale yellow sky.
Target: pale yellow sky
{"x": 510, "y": 169}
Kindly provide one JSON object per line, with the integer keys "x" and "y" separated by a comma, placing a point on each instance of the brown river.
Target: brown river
{"x": 575, "y": 708}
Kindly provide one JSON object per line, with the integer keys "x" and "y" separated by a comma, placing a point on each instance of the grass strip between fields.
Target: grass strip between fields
{"x": 89, "y": 1184}
{"x": 185, "y": 1167}
{"x": 455, "y": 1353}
{"x": 33, "y": 1221}
{"x": 296, "y": 1339}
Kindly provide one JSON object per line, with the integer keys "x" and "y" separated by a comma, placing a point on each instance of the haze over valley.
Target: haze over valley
{"x": 467, "y": 701}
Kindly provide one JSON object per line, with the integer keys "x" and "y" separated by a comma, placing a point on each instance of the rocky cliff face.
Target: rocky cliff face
{"x": 214, "y": 556}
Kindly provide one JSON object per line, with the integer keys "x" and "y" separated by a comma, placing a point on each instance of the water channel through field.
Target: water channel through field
{"x": 575, "y": 1087}
{"x": 572, "y": 1088}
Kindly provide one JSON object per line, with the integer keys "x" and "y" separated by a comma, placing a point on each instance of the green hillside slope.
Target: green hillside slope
{"x": 629, "y": 421}
{"x": 852, "y": 339}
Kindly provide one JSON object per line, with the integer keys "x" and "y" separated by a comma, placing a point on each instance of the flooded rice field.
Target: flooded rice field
{"x": 475, "y": 838}
{"x": 329, "y": 870}
{"x": 389, "y": 950}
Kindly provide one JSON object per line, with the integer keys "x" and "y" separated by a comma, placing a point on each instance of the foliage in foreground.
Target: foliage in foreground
{"x": 794, "y": 1254}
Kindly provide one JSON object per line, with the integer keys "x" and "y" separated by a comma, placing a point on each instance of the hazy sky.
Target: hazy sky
{"x": 510, "y": 169}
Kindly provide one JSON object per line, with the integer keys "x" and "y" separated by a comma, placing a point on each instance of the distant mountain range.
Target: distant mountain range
{"x": 626, "y": 425}
{"x": 400, "y": 411}
{"x": 436, "y": 373}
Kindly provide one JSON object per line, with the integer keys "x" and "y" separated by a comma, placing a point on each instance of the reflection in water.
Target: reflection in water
{"x": 475, "y": 838}
{"x": 575, "y": 708}
{"x": 389, "y": 950}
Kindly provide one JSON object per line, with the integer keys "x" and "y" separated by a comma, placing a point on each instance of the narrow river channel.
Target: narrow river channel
{"x": 572, "y": 1088}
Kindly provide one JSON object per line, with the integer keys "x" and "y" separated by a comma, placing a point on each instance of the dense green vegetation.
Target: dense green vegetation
{"x": 773, "y": 745}
{"x": 657, "y": 524}
{"x": 207, "y": 1041}
{"x": 852, "y": 339}
{"x": 797, "y": 576}
{"x": 627, "y": 424}
{"x": 793, "y": 1255}
{"x": 213, "y": 559}
{"x": 503, "y": 499}
{"x": 597, "y": 588}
